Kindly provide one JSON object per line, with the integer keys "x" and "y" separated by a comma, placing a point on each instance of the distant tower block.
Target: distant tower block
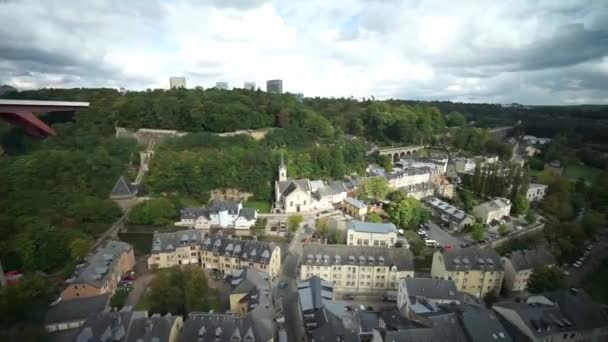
{"x": 221, "y": 85}
{"x": 177, "y": 82}
{"x": 249, "y": 85}
{"x": 274, "y": 86}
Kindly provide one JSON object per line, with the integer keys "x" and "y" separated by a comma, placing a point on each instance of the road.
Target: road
{"x": 289, "y": 273}
{"x": 598, "y": 253}
{"x": 442, "y": 237}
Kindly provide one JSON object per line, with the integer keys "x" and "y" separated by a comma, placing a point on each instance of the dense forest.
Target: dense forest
{"x": 54, "y": 192}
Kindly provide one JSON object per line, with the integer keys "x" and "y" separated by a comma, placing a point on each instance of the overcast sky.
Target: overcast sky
{"x": 531, "y": 52}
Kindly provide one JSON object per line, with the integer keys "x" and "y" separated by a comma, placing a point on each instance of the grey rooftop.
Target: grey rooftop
{"x": 434, "y": 289}
{"x": 98, "y": 266}
{"x": 328, "y": 255}
{"x": 472, "y": 258}
{"x": 369, "y": 227}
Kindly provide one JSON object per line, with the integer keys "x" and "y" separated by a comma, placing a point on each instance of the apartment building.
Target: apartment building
{"x": 521, "y": 264}
{"x": 438, "y": 291}
{"x": 495, "y": 209}
{"x": 213, "y": 252}
{"x": 409, "y": 177}
{"x": 357, "y": 269}
{"x": 101, "y": 272}
{"x": 473, "y": 270}
{"x": 371, "y": 234}
{"x": 443, "y": 187}
{"x": 249, "y": 289}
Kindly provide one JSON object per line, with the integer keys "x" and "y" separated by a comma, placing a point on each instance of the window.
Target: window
{"x": 291, "y": 203}
{"x": 304, "y": 202}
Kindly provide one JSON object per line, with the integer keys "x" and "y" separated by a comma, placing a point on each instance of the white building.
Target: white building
{"x": 357, "y": 269}
{"x": 303, "y": 195}
{"x": 218, "y": 214}
{"x": 371, "y": 234}
{"x": 492, "y": 210}
{"x": 177, "y": 82}
{"x": 465, "y": 164}
{"x": 274, "y": 86}
{"x": 221, "y": 85}
{"x": 536, "y": 192}
{"x": 409, "y": 177}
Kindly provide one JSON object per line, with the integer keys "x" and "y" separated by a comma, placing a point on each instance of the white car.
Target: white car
{"x": 577, "y": 264}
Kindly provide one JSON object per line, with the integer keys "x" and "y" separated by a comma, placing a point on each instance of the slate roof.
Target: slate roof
{"x": 123, "y": 189}
{"x": 580, "y": 309}
{"x": 99, "y": 265}
{"x": 107, "y": 326}
{"x": 355, "y": 202}
{"x": 217, "y": 206}
{"x": 313, "y": 293}
{"x": 223, "y": 328}
{"x": 146, "y": 329}
{"x": 481, "y": 324}
{"x": 164, "y": 242}
{"x": 76, "y": 309}
{"x": 370, "y": 227}
{"x": 249, "y": 279}
{"x": 409, "y": 172}
{"x": 451, "y": 212}
{"x": 327, "y": 191}
{"x": 253, "y": 251}
{"x": 444, "y": 327}
{"x": 330, "y": 328}
{"x": 542, "y": 320}
{"x": 248, "y": 213}
{"x": 472, "y": 258}
{"x": 314, "y": 254}
{"x": 434, "y": 289}
{"x": 530, "y": 259}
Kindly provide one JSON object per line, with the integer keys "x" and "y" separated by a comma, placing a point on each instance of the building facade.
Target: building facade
{"x": 274, "y": 86}
{"x": 473, "y": 270}
{"x": 221, "y": 85}
{"x": 213, "y": 252}
{"x": 357, "y": 269}
{"x": 520, "y": 265}
{"x": 102, "y": 272}
{"x": 409, "y": 177}
{"x": 222, "y": 214}
{"x": 443, "y": 187}
{"x": 354, "y": 207}
{"x": 492, "y": 210}
{"x": 536, "y": 192}
{"x": 177, "y": 82}
{"x": 371, "y": 234}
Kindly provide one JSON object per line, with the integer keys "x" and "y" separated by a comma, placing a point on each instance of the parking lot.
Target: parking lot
{"x": 443, "y": 237}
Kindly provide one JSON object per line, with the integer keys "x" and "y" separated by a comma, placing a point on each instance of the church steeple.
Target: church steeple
{"x": 282, "y": 170}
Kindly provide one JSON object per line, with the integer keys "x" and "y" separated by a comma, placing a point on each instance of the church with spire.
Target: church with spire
{"x": 304, "y": 195}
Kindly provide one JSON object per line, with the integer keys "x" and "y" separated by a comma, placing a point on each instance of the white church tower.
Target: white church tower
{"x": 282, "y": 170}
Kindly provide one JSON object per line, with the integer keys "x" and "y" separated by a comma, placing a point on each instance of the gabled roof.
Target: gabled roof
{"x": 164, "y": 242}
{"x": 481, "y": 324}
{"x": 146, "y": 329}
{"x": 123, "y": 189}
{"x": 355, "y": 202}
{"x": 370, "y": 227}
{"x": 434, "y": 289}
{"x": 471, "y": 259}
{"x": 98, "y": 266}
{"x": 76, "y": 309}
{"x": 530, "y": 259}
{"x": 314, "y": 254}
{"x": 224, "y": 327}
{"x": 313, "y": 293}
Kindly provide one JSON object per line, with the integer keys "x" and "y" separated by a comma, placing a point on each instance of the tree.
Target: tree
{"x": 520, "y": 205}
{"x": 156, "y": 211}
{"x": 478, "y": 232}
{"x": 42, "y": 247}
{"x": 545, "y": 279}
{"x": 531, "y": 216}
{"x": 503, "y": 229}
{"x": 396, "y": 196}
{"x": 374, "y": 217}
{"x": 456, "y": 119}
{"x": 408, "y": 213}
{"x": 79, "y": 248}
{"x": 180, "y": 291}
{"x": 386, "y": 162}
{"x": 26, "y": 302}
{"x": 593, "y": 221}
{"x": 293, "y": 222}
{"x": 374, "y": 188}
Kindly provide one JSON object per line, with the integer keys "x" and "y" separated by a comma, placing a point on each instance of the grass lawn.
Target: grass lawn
{"x": 576, "y": 171}
{"x": 261, "y": 206}
{"x": 597, "y": 284}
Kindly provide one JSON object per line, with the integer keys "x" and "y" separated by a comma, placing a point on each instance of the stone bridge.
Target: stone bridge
{"x": 398, "y": 153}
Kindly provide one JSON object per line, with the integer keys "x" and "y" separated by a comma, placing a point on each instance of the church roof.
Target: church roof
{"x": 123, "y": 189}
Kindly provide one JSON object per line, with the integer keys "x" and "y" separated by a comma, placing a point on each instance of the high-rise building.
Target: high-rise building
{"x": 274, "y": 86}
{"x": 221, "y": 85}
{"x": 177, "y": 82}
{"x": 249, "y": 85}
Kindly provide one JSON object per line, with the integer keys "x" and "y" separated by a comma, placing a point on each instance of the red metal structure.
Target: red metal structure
{"x": 23, "y": 113}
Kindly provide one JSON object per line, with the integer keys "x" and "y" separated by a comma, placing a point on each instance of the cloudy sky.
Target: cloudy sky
{"x": 532, "y": 52}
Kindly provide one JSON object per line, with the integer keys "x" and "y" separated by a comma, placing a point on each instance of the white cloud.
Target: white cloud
{"x": 523, "y": 51}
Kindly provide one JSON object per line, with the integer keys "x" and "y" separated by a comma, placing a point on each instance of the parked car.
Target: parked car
{"x": 577, "y": 264}
{"x": 348, "y": 297}
{"x": 283, "y": 284}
